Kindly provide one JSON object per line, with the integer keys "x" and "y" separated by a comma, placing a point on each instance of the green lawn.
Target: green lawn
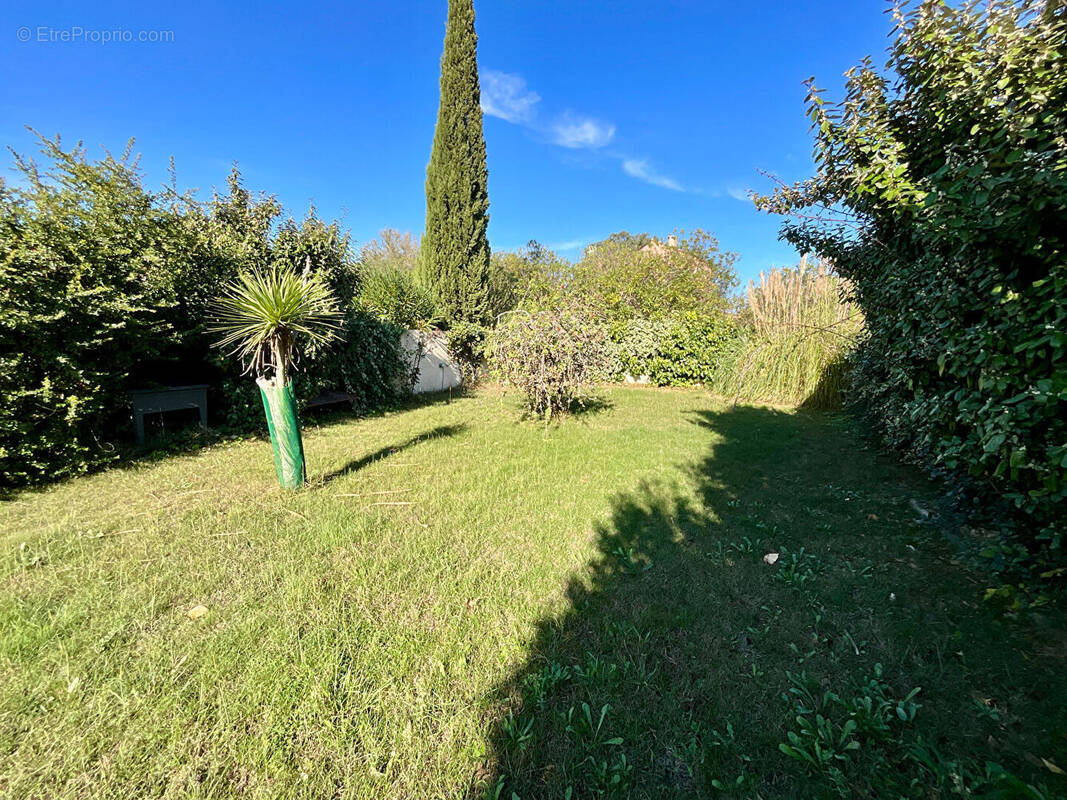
{"x": 435, "y": 615}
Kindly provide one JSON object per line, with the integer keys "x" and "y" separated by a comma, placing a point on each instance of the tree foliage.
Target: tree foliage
{"x": 321, "y": 247}
{"x": 392, "y": 250}
{"x": 389, "y": 289}
{"x": 625, "y": 279}
{"x": 394, "y": 295}
{"x": 527, "y": 278}
{"x": 454, "y": 257}
{"x": 941, "y": 194}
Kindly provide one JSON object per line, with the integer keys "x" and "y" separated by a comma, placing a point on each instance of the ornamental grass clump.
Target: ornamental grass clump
{"x": 800, "y": 329}
{"x": 266, "y": 318}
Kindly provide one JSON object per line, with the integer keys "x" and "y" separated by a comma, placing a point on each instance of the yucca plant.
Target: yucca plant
{"x": 265, "y": 318}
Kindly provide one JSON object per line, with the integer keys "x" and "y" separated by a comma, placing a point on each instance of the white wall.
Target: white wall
{"x": 437, "y": 371}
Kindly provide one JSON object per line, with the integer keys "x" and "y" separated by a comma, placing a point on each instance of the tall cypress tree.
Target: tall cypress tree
{"x": 454, "y": 259}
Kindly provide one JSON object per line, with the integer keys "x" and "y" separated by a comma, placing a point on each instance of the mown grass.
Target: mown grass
{"x": 435, "y": 615}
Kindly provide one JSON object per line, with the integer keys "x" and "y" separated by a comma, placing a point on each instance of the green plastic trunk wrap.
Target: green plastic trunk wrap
{"x": 280, "y": 405}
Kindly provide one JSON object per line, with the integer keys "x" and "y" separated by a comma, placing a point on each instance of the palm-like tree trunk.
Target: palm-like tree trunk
{"x": 279, "y": 403}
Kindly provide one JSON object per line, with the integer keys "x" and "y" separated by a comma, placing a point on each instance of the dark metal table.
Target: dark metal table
{"x": 168, "y": 398}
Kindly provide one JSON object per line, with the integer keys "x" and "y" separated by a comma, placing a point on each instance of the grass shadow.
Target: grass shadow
{"x": 191, "y": 439}
{"x": 592, "y": 405}
{"x": 579, "y": 410}
{"x": 827, "y": 394}
{"x": 357, "y": 464}
{"x": 674, "y": 668}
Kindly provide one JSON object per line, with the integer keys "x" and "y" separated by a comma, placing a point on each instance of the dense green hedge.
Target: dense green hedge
{"x": 368, "y": 363}
{"x": 951, "y": 180}
{"x": 92, "y": 271}
{"x": 675, "y": 351}
{"x": 104, "y": 287}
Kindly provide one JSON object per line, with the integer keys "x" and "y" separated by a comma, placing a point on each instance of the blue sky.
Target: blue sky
{"x": 601, "y": 116}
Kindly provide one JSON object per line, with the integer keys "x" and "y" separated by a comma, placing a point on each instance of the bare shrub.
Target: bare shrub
{"x": 552, "y": 357}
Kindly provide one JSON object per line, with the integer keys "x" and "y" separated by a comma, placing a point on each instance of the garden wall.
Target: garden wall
{"x": 437, "y": 370}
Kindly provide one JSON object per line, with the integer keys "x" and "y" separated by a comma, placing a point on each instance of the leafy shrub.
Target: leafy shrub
{"x": 242, "y": 405}
{"x": 551, "y": 357}
{"x": 368, "y": 363}
{"x": 951, "y": 178}
{"x": 90, "y": 266}
{"x": 796, "y": 335}
{"x": 103, "y": 287}
{"x": 319, "y": 246}
{"x": 676, "y": 351}
{"x": 393, "y": 295}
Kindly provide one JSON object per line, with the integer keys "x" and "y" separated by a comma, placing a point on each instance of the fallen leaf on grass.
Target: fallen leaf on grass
{"x": 196, "y": 612}
{"x": 770, "y": 558}
{"x": 1052, "y": 767}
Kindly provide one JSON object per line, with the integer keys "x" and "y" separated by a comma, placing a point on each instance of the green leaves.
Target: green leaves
{"x": 93, "y": 275}
{"x": 957, "y": 260}
{"x": 626, "y": 276}
{"x": 454, "y": 258}
{"x": 682, "y": 350}
{"x": 394, "y": 295}
{"x": 264, "y": 315}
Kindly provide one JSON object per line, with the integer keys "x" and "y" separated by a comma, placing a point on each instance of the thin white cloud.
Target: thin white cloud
{"x": 739, "y": 194}
{"x": 562, "y": 247}
{"x": 639, "y": 168}
{"x": 575, "y": 131}
{"x": 506, "y": 96}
